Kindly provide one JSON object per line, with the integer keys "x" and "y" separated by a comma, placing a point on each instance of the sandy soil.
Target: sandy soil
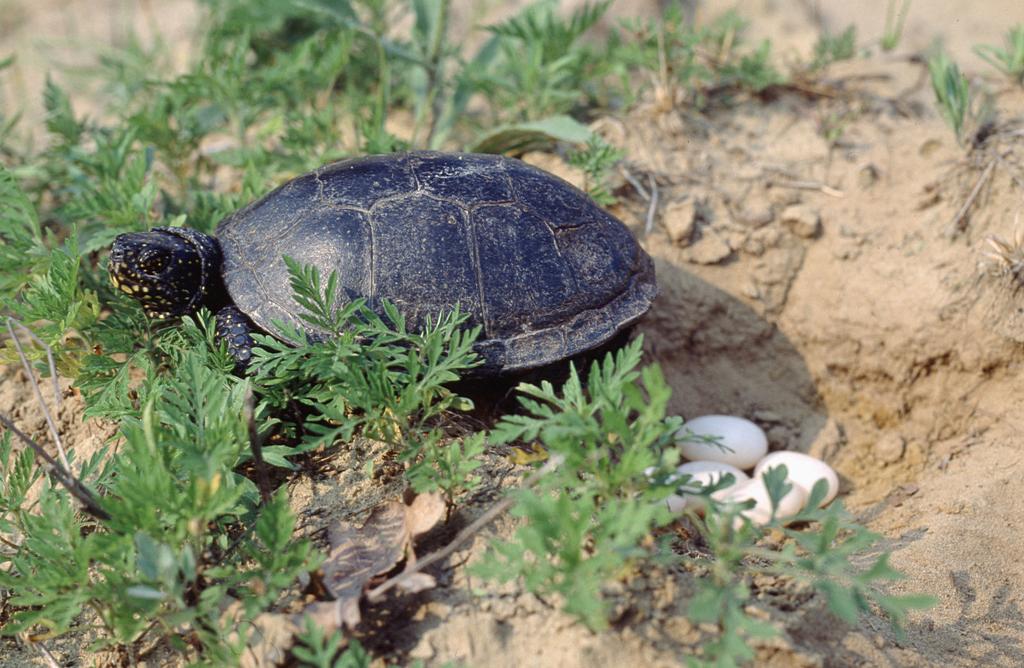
{"x": 831, "y": 293}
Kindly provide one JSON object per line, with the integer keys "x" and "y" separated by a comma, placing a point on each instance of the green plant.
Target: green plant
{"x": 540, "y": 67}
{"x": 169, "y": 567}
{"x": 834, "y": 48}
{"x": 21, "y": 234}
{"x": 318, "y": 650}
{"x": 753, "y": 71}
{"x": 821, "y": 556}
{"x": 373, "y": 376}
{"x": 46, "y": 284}
{"x": 586, "y": 521}
{"x": 596, "y": 159}
{"x": 446, "y": 464}
{"x": 1010, "y": 59}
{"x": 894, "y": 20}
{"x": 952, "y": 92}
{"x": 699, "y": 61}
{"x": 668, "y": 46}
{"x": 833, "y": 125}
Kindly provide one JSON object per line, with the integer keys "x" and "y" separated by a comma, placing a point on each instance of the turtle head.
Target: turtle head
{"x": 170, "y": 270}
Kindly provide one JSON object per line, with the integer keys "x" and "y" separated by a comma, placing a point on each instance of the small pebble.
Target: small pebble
{"x": 711, "y": 249}
{"x": 753, "y": 246}
{"x": 679, "y": 219}
{"x": 890, "y": 448}
{"x": 802, "y": 470}
{"x": 756, "y": 213}
{"x": 929, "y": 147}
{"x": 803, "y": 220}
{"x": 778, "y": 435}
{"x": 769, "y": 237}
{"x": 743, "y": 442}
{"x": 767, "y": 416}
{"x": 867, "y": 176}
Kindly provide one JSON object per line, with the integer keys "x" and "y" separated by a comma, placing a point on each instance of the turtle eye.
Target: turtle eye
{"x": 153, "y": 263}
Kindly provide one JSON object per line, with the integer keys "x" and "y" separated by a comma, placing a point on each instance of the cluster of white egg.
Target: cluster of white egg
{"x": 717, "y": 445}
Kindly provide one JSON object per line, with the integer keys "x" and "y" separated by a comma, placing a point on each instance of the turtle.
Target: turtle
{"x": 544, "y": 271}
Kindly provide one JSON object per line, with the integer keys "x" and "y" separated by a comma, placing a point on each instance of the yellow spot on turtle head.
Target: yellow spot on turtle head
{"x": 125, "y": 289}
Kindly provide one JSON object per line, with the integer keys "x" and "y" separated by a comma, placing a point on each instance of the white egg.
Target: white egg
{"x": 676, "y": 503}
{"x": 791, "y": 504}
{"x": 706, "y": 474}
{"x": 802, "y": 470}
{"x": 744, "y": 442}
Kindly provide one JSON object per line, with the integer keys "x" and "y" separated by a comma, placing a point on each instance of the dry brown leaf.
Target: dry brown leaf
{"x": 357, "y": 555}
{"x": 528, "y": 454}
{"x": 425, "y": 511}
{"x": 272, "y": 637}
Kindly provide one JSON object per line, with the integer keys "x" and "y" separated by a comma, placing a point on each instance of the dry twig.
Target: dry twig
{"x": 639, "y": 187}
{"x": 11, "y": 322}
{"x": 652, "y": 208}
{"x": 256, "y": 444}
{"x": 810, "y": 185}
{"x": 958, "y": 223}
{"x": 46, "y": 654}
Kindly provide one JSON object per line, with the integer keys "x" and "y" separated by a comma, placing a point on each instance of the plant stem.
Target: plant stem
{"x": 431, "y": 102}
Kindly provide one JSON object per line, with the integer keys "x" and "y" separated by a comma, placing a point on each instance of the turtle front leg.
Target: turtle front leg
{"x": 235, "y": 329}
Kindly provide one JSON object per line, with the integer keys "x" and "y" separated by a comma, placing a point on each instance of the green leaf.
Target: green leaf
{"x": 21, "y": 478}
{"x": 277, "y": 455}
{"x": 1008, "y": 59}
{"x": 519, "y": 138}
{"x": 818, "y": 493}
{"x": 843, "y": 602}
{"x": 20, "y": 235}
{"x": 881, "y": 570}
{"x": 777, "y": 485}
{"x": 897, "y": 607}
{"x": 60, "y": 118}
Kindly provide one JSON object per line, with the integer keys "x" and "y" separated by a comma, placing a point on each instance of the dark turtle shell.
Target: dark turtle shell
{"x": 544, "y": 270}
